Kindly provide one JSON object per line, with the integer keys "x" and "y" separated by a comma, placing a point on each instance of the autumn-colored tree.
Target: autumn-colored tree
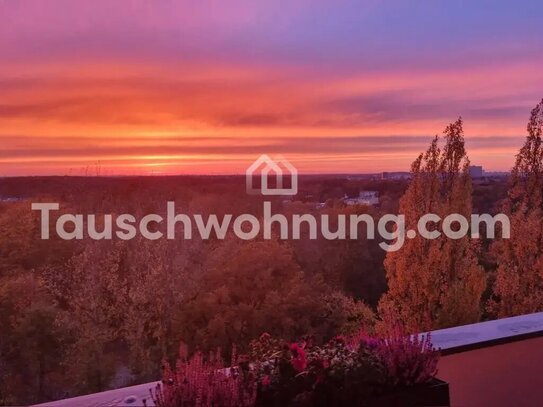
{"x": 31, "y": 343}
{"x": 31, "y": 351}
{"x": 119, "y": 299}
{"x": 518, "y": 287}
{"x": 93, "y": 288}
{"x": 20, "y": 245}
{"x": 158, "y": 280}
{"x": 257, "y": 286}
{"x": 354, "y": 266}
{"x": 435, "y": 283}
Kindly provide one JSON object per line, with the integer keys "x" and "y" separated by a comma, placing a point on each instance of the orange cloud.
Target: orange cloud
{"x": 205, "y": 118}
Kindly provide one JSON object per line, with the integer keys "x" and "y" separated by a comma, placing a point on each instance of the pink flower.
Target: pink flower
{"x": 299, "y": 360}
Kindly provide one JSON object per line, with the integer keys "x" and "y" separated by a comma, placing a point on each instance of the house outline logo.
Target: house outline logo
{"x": 269, "y": 165}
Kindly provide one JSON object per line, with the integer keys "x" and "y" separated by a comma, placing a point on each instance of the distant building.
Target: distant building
{"x": 476, "y": 171}
{"x": 10, "y": 199}
{"x": 369, "y": 198}
{"x": 396, "y": 175}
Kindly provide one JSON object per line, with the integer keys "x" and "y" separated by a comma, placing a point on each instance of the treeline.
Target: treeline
{"x": 84, "y": 316}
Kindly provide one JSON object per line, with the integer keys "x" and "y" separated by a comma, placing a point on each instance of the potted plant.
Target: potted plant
{"x": 394, "y": 370}
{"x": 397, "y": 370}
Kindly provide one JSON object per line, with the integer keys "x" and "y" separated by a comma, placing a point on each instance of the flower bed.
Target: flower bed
{"x": 358, "y": 371}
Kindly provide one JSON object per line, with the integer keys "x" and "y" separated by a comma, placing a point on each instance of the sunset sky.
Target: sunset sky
{"x": 205, "y": 87}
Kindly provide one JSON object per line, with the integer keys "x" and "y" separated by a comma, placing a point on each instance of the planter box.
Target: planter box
{"x": 433, "y": 394}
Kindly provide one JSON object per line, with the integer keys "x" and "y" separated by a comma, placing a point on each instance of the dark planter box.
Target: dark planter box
{"x": 433, "y": 394}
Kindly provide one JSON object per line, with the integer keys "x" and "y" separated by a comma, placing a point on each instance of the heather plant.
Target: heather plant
{"x": 407, "y": 360}
{"x": 205, "y": 382}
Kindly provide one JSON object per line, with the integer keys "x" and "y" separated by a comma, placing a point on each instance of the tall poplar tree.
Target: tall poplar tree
{"x": 518, "y": 287}
{"x": 435, "y": 283}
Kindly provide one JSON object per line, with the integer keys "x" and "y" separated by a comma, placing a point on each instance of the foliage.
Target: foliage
{"x": 30, "y": 342}
{"x": 518, "y": 287}
{"x": 111, "y": 310}
{"x": 258, "y": 286}
{"x": 205, "y": 382}
{"x": 353, "y": 266}
{"x": 345, "y": 315}
{"x": 435, "y": 283}
{"x": 342, "y": 372}
{"x": 407, "y": 360}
